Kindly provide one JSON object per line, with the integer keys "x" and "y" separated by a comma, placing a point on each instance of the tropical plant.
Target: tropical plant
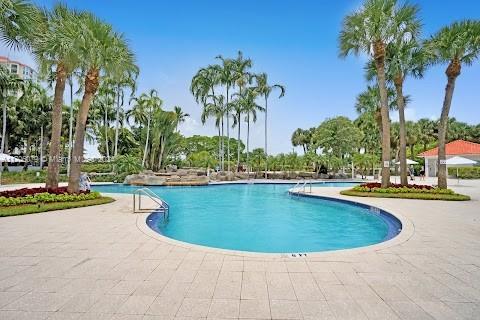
{"x": 456, "y": 45}
{"x": 56, "y": 49}
{"x": 265, "y": 89}
{"x": 370, "y": 30}
{"x": 181, "y": 116}
{"x": 127, "y": 164}
{"x": 102, "y": 50}
{"x": 9, "y": 83}
{"x": 19, "y": 22}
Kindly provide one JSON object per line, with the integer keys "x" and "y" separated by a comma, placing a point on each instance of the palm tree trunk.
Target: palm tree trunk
{"x": 41, "y": 148}
{"x": 146, "y": 141}
{"x": 70, "y": 129}
{"x": 223, "y": 147}
{"x": 27, "y": 153}
{"x": 248, "y": 145}
{"x": 117, "y": 121}
{"x": 266, "y": 152}
{"x": 219, "y": 146}
{"x": 54, "y": 159}
{"x": 91, "y": 85}
{"x": 238, "y": 142}
{"x": 379, "y": 49}
{"x": 105, "y": 123}
{"x": 228, "y": 134}
{"x": 452, "y": 72}
{"x": 403, "y": 134}
{"x": 4, "y": 120}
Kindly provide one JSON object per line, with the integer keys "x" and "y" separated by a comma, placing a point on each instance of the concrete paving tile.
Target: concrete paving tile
{"x": 38, "y": 301}
{"x": 194, "y": 308}
{"x": 409, "y": 310}
{"x": 285, "y": 309}
{"x": 316, "y": 310}
{"x": 136, "y": 305}
{"x": 224, "y": 308}
{"x": 280, "y": 286}
{"x": 255, "y": 309}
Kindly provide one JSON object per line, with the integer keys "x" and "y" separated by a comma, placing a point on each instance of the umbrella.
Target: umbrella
{"x": 7, "y": 158}
{"x": 408, "y": 162}
{"x": 455, "y": 161}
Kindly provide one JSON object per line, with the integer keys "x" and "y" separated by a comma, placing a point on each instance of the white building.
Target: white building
{"x": 23, "y": 71}
{"x": 461, "y": 148}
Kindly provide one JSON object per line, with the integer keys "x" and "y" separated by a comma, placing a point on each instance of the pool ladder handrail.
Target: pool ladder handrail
{"x": 163, "y": 206}
{"x": 296, "y": 189}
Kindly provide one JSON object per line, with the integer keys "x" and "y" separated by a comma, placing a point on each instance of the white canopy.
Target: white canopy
{"x": 408, "y": 162}
{"x": 459, "y": 161}
{"x": 7, "y": 158}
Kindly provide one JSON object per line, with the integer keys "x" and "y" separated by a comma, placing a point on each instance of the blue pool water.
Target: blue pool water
{"x": 265, "y": 218}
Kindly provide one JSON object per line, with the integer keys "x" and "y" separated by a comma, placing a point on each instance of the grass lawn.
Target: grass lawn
{"x": 408, "y": 195}
{"x": 36, "y": 208}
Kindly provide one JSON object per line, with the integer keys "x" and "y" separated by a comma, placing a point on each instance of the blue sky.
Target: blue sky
{"x": 295, "y": 42}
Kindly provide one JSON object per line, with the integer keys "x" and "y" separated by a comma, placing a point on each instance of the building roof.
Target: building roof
{"x": 455, "y": 148}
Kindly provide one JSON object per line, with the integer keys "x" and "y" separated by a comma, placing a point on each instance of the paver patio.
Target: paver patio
{"x": 96, "y": 263}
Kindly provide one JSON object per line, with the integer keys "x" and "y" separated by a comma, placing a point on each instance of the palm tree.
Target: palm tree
{"x": 216, "y": 110}
{"x": 8, "y": 82}
{"x": 250, "y": 108}
{"x": 405, "y": 58}
{"x": 203, "y": 88}
{"x": 227, "y": 77}
{"x": 102, "y": 50}
{"x": 19, "y": 23}
{"x": 265, "y": 89}
{"x": 181, "y": 116}
{"x": 143, "y": 110}
{"x": 299, "y": 138}
{"x": 457, "y": 44}
{"x": 241, "y": 78}
{"x": 126, "y": 81}
{"x": 370, "y": 30}
{"x": 57, "y": 53}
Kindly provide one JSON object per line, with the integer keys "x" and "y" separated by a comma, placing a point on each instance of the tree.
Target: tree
{"x": 265, "y": 89}
{"x": 101, "y": 50}
{"x": 300, "y": 138}
{"x": 338, "y": 136}
{"x": 427, "y": 132}
{"x": 369, "y": 30}
{"x": 145, "y": 107}
{"x": 405, "y": 57}
{"x": 227, "y": 77}
{"x": 456, "y": 45}
{"x": 8, "y": 82}
{"x": 217, "y": 111}
{"x": 181, "y": 116}
{"x": 58, "y": 54}
{"x": 19, "y": 23}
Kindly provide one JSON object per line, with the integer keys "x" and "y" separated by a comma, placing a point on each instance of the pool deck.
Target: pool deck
{"x": 101, "y": 263}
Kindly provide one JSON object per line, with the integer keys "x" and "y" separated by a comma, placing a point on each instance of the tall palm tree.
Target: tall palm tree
{"x": 216, "y": 110}
{"x": 203, "y": 89}
{"x": 102, "y": 50}
{"x": 227, "y": 77}
{"x": 265, "y": 89}
{"x": 250, "y": 108}
{"x": 405, "y": 58}
{"x": 145, "y": 107}
{"x": 181, "y": 116}
{"x": 369, "y": 30}
{"x": 242, "y": 77}
{"x": 456, "y": 45}
{"x": 127, "y": 81}
{"x": 8, "y": 82}
{"x": 57, "y": 52}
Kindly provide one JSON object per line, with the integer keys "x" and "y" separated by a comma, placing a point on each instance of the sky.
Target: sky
{"x": 294, "y": 41}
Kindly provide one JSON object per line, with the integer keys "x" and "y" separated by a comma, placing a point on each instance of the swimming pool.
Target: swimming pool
{"x": 265, "y": 218}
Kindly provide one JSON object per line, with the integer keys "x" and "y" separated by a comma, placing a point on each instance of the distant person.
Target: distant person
{"x": 411, "y": 173}
{"x": 422, "y": 174}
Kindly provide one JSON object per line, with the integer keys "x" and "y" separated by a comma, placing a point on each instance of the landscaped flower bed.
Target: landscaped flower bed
{"x": 32, "y": 191}
{"x": 398, "y": 188}
{"x": 412, "y": 191}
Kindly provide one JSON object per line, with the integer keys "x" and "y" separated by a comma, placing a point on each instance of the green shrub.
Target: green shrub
{"x": 9, "y": 177}
{"x": 465, "y": 172}
{"x": 402, "y": 190}
{"x": 98, "y": 167}
{"x": 47, "y": 198}
{"x": 408, "y": 195}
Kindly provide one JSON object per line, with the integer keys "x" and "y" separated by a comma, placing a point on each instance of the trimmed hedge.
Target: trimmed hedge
{"x": 465, "y": 172}
{"x": 46, "y": 197}
{"x": 409, "y": 195}
{"x": 32, "y": 191}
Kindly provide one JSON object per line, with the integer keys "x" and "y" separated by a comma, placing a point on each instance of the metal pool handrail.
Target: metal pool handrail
{"x": 163, "y": 206}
